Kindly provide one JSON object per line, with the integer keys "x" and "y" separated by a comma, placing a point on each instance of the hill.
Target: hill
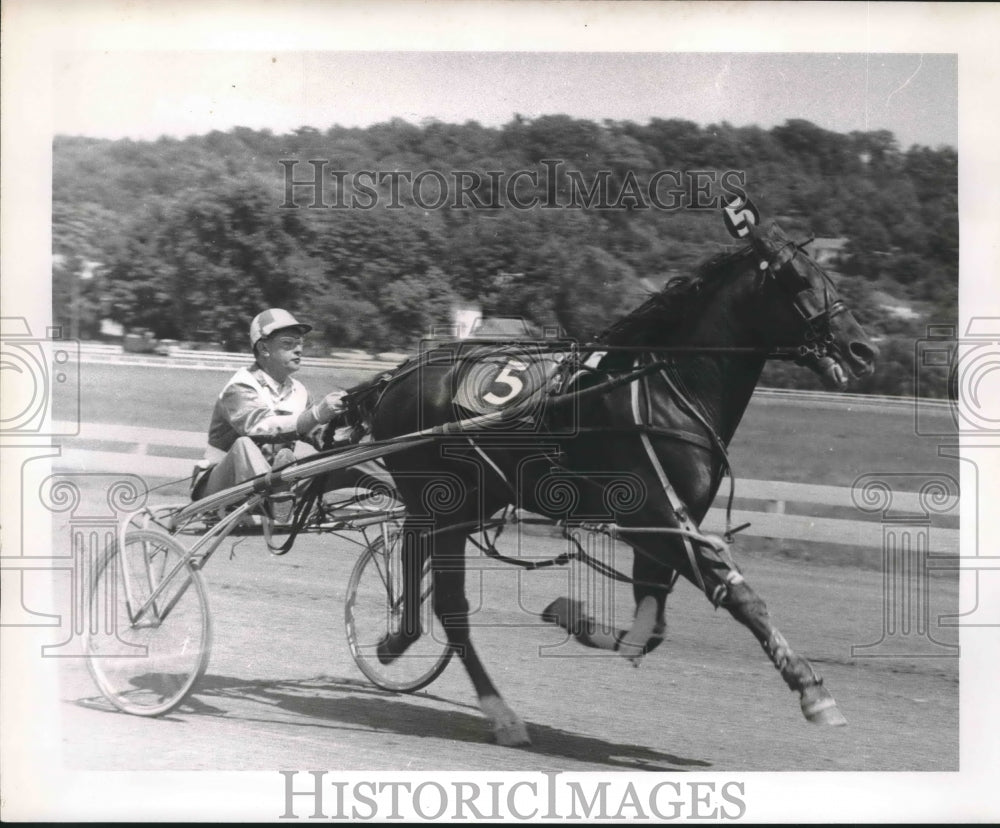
{"x": 379, "y": 233}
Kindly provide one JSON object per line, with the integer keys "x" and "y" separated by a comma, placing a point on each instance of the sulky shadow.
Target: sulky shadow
{"x": 340, "y": 703}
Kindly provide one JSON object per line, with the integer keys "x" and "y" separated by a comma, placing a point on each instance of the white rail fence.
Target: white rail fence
{"x": 146, "y": 452}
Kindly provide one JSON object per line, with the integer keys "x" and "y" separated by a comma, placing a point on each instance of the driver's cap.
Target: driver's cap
{"x": 266, "y": 323}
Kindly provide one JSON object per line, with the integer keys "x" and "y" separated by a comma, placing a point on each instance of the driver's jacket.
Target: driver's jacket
{"x": 253, "y": 404}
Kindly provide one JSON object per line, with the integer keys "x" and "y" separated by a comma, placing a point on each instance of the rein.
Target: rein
{"x": 488, "y": 546}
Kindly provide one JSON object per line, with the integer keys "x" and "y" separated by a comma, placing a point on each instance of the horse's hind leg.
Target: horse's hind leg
{"x": 452, "y": 607}
{"x": 414, "y": 555}
{"x": 746, "y": 606}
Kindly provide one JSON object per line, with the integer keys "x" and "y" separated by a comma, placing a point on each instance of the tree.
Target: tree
{"x": 83, "y": 236}
{"x": 413, "y": 306}
{"x": 590, "y": 292}
{"x": 209, "y": 260}
{"x": 76, "y": 296}
{"x": 192, "y": 239}
{"x": 345, "y": 321}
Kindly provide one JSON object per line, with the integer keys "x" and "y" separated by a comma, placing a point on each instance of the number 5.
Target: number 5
{"x": 506, "y": 377}
{"x": 740, "y": 216}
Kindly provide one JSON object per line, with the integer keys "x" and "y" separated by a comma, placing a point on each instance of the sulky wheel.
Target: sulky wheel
{"x": 149, "y": 631}
{"x": 374, "y": 609}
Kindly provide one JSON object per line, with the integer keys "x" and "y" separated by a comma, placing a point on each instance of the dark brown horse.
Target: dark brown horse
{"x": 668, "y": 385}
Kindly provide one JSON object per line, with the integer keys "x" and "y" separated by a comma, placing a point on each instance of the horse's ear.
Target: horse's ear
{"x": 774, "y": 234}
{"x": 773, "y": 246}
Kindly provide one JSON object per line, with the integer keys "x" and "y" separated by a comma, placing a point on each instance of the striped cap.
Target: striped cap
{"x": 266, "y": 323}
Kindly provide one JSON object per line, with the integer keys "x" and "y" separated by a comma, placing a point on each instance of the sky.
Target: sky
{"x": 145, "y": 94}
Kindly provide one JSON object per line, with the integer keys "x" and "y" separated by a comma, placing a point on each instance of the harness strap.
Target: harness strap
{"x": 302, "y": 511}
{"x": 494, "y": 466}
{"x": 719, "y": 446}
{"x": 676, "y": 504}
{"x": 488, "y": 547}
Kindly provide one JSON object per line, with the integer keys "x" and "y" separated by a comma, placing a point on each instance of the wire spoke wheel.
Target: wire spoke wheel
{"x": 374, "y": 609}
{"x": 148, "y": 636}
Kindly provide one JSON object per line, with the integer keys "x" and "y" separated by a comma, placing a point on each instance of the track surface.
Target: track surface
{"x": 281, "y": 688}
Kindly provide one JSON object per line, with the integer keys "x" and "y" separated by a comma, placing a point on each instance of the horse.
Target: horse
{"x": 656, "y": 398}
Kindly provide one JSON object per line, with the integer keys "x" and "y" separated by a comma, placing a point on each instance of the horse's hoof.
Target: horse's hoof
{"x": 819, "y": 706}
{"x": 508, "y": 728}
{"x": 645, "y": 635}
{"x": 512, "y": 735}
{"x": 634, "y": 653}
{"x": 392, "y": 646}
{"x": 656, "y": 640}
{"x": 631, "y": 651}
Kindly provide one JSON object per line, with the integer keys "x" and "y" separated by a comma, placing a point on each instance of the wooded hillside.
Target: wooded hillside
{"x": 190, "y": 238}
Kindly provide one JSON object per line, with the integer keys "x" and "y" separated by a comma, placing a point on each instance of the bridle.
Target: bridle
{"x": 817, "y": 311}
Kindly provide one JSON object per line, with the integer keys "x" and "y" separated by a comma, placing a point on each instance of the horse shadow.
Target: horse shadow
{"x": 335, "y": 703}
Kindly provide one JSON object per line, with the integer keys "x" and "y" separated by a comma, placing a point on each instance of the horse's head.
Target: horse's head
{"x": 802, "y": 308}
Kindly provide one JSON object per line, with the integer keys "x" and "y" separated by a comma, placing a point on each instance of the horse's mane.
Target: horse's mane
{"x": 677, "y": 303}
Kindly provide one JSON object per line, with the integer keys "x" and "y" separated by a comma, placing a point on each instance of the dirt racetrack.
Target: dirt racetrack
{"x": 281, "y": 689}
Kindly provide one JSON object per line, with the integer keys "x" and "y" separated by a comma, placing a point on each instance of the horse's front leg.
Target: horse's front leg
{"x": 452, "y": 608}
{"x": 818, "y": 704}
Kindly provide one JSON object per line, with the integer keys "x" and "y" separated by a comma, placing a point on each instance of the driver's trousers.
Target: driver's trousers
{"x": 243, "y": 461}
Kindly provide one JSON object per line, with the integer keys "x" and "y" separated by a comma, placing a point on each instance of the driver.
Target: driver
{"x": 262, "y": 411}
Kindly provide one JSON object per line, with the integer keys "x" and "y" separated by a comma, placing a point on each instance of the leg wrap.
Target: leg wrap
{"x": 742, "y": 601}
{"x": 795, "y": 670}
{"x": 777, "y": 650}
{"x": 720, "y": 580}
